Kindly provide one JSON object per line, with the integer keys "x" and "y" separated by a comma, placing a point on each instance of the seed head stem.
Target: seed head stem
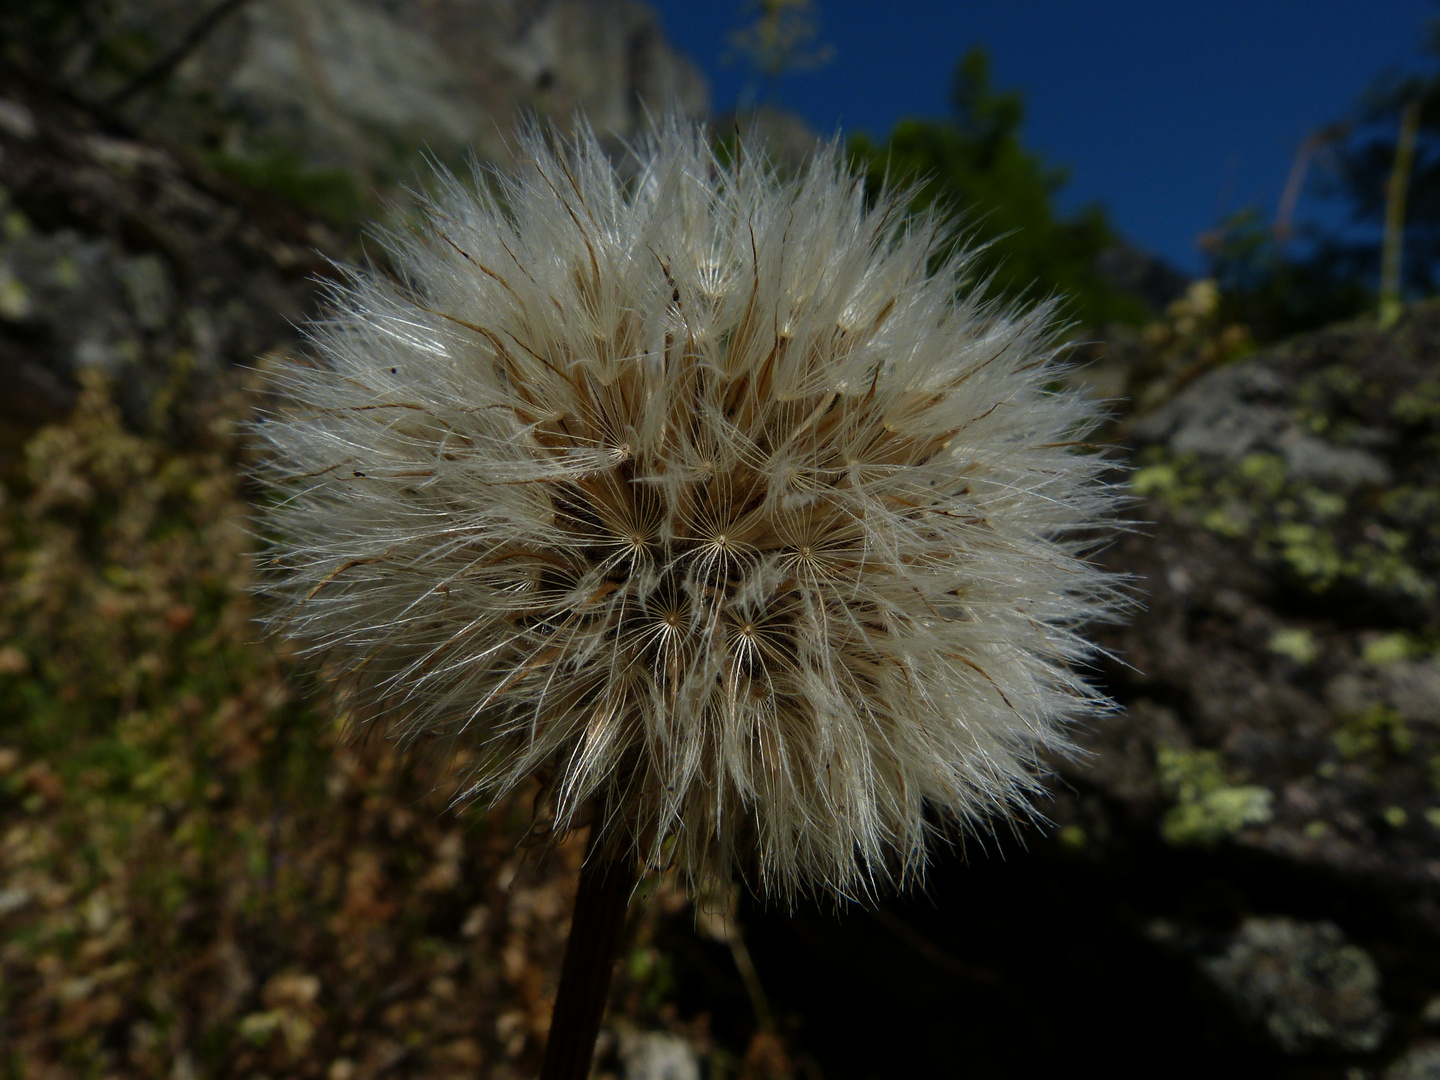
{"x": 596, "y": 931}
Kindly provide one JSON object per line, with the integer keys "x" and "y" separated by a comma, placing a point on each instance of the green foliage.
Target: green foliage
{"x": 974, "y": 167}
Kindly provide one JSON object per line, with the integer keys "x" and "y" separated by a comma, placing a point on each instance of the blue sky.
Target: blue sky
{"x": 1171, "y": 114}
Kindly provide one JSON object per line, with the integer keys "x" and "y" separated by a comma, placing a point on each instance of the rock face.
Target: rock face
{"x": 1291, "y": 578}
{"x": 364, "y": 85}
{"x": 120, "y": 256}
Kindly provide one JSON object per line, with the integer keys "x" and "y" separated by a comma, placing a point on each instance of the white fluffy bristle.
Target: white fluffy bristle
{"x": 701, "y": 492}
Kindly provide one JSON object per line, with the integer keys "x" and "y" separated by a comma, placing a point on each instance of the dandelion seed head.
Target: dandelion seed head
{"x": 701, "y": 495}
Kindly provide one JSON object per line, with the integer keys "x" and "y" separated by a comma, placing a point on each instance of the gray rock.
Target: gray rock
{"x": 781, "y": 136}
{"x": 1418, "y": 1063}
{"x": 343, "y": 84}
{"x": 364, "y": 85}
{"x": 151, "y": 296}
{"x": 1314, "y": 459}
{"x": 1304, "y": 983}
{"x": 1226, "y": 414}
{"x": 73, "y": 290}
{"x": 1238, "y": 410}
{"x": 658, "y": 1055}
{"x": 16, "y": 119}
{"x": 1413, "y": 688}
{"x": 119, "y": 256}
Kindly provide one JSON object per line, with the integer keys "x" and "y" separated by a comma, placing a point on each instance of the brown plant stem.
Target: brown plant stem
{"x": 596, "y": 930}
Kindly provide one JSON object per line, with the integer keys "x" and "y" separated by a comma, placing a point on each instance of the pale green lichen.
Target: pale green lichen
{"x": 1177, "y": 482}
{"x": 1419, "y": 404}
{"x": 1342, "y": 380}
{"x": 1390, "y": 649}
{"x": 14, "y": 296}
{"x": 1321, "y": 538}
{"x": 1154, "y": 479}
{"x": 1296, "y": 643}
{"x": 1310, "y": 553}
{"x": 1369, "y": 735}
{"x": 1266, "y": 472}
{"x": 1387, "y": 570}
{"x": 1208, "y": 805}
{"x": 1229, "y": 520}
{"x": 15, "y": 225}
{"x": 65, "y": 273}
{"x": 1323, "y": 504}
{"x": 1412, "y": 504}
{"x": 1290, "y": 520}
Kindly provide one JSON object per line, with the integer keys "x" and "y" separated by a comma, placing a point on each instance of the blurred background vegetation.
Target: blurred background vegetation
{"x": 201, "y": 872}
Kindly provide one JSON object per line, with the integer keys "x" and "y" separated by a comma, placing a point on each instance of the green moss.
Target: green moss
{"x": 653, "y": 973}
{"x": 1208, "y": 805}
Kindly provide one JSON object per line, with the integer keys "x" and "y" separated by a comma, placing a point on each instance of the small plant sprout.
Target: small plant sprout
{"x": 719, "y": 503}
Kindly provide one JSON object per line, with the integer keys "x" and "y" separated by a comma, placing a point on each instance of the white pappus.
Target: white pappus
{"x": 703, "y": 493}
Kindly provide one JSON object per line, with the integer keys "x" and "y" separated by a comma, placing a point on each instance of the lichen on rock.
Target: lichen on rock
{"x": 1304, "y": 982}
